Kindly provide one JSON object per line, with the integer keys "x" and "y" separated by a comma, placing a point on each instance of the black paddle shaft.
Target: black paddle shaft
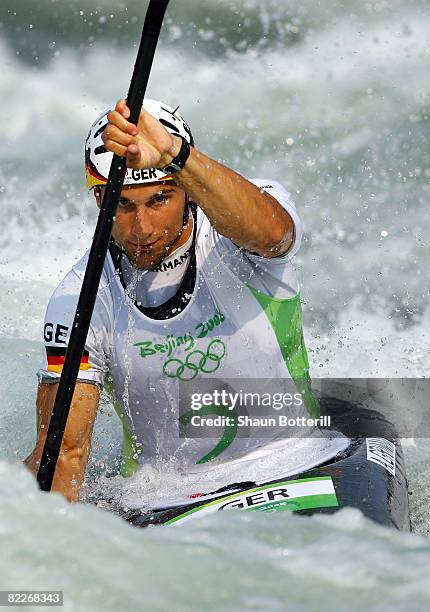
{"x": 99, "y": 247}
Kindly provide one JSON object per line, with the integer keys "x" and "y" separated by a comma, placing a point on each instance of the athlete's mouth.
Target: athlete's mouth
{"x": 144, "y": 247}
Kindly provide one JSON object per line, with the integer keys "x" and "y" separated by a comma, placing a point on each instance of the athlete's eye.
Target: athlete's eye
{"x": 124, "y": 204}
{"x": 160, "y": 198}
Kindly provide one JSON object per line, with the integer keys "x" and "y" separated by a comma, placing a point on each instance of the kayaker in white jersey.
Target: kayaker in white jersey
{"x": 198, "y": 283}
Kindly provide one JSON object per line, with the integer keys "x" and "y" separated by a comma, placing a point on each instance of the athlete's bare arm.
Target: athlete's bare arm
{"x": 251, "y": 218}
{"x": 75, "y": 448}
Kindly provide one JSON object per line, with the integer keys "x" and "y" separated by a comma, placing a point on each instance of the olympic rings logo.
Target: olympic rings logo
{"x": 197, "y": 361}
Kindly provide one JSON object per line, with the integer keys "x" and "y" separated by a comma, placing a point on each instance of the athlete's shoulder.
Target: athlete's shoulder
{"x": 72, "y": 282}
{"x": 208, "y": 237}
{"x": 278, "y": 191}
{"x": 59, "y": 316}
{"x": 81, "y": 265}
{"x": 60, "y": 313}
{"x": 274, "y": 188}
{"x": 283, "y": 196}
{"x": 271, "y": 186}
{"x": 63, "y": 301}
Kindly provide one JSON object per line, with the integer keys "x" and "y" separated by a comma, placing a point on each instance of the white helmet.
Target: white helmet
{"x": 98, "y": 159}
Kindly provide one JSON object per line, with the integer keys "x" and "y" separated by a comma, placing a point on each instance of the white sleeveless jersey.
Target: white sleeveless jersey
{"x": 241, "y": 320}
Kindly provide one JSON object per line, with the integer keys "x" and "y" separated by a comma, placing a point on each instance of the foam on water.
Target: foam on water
{"x": 329, "y": 98}
{"x": 229, "y": 561}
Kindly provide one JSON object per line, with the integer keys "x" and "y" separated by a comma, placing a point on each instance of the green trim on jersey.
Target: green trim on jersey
{"x": 130, "y": 451}
{"x": 229, "y": 434}
{"x": 129, "y": 463}
{"x": 285, "y": 316}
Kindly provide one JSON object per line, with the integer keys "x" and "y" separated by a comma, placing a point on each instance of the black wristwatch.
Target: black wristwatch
{"x": 180, "y": 160}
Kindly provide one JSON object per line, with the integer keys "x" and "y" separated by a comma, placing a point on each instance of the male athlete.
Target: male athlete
{"x": 198, "y": 282}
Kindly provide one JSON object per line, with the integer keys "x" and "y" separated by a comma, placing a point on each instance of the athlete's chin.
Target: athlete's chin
{"x": 146, "y": 261}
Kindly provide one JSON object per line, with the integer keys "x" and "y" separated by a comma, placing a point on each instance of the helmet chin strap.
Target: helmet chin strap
{"x": 186, "y": 213}
{"x": 185, "y": 220}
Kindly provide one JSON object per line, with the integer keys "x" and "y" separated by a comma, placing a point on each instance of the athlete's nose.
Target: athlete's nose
{"x": 142, "y": 228}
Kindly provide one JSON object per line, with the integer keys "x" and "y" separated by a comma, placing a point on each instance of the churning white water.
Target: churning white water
{"x": 330, "y": 98}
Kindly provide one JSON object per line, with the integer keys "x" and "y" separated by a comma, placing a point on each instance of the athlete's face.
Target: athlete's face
{"x": 148, "y": 222}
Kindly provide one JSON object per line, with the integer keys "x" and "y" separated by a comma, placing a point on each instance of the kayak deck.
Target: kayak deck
{"x": 368, "y": 475}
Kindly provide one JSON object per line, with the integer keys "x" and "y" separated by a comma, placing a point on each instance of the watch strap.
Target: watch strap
{"x": 180, "y": 160}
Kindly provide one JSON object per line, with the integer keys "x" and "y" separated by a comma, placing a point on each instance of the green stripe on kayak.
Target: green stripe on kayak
{"x": 301, "y": 502}
{"x": 308, "y": 502}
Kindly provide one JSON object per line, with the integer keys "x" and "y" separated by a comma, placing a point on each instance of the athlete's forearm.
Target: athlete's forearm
{"x": 75, "y": 447}
{"x": 251, "y": 218}
{"x": 69, "y": 472}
